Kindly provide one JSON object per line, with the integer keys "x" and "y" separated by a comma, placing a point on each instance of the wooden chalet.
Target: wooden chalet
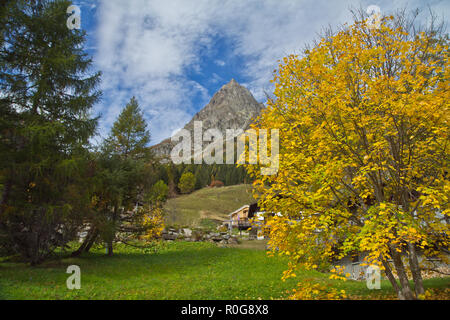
{"x": 241, "y": 217}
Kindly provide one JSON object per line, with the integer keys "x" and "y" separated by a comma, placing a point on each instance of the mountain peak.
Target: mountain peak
{"x": 231, "y": 84}
{"x": 232, "y": 107}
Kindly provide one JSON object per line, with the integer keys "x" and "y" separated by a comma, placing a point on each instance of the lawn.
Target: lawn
{"x": 177, "y": 271}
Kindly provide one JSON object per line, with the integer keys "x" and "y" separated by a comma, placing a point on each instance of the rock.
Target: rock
{"x": 82, "y": 236}
{"x": 197, "y": 236}
{"x": 187, "y": 232}
{"x": 216, "y": 237}
{"x": 170, "y": 237}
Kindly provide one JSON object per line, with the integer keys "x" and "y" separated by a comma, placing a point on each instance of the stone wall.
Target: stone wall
{"x": 190, "y": 235}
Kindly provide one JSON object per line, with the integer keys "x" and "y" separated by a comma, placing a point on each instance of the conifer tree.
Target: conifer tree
{"x": 47, "y": 93}
{"x": 123, "y": 183}
{"x": 129, "y": 135}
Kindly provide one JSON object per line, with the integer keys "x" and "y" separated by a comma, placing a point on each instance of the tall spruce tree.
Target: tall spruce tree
{"x": 47, "y": 91}
{"x": 129, "y": 135}
{"x": 122, "y": 179}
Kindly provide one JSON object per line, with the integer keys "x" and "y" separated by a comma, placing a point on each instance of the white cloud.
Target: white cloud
{"x": 220, "y": 63}
{"x": 145, "y": 47}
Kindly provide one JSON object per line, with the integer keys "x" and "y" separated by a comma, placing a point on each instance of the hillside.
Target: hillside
{"x": 207, "y": 206}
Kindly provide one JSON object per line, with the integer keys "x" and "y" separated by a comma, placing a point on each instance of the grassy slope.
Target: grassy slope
{"x": 178, "y": 271}
{"x": 207, "y": 203}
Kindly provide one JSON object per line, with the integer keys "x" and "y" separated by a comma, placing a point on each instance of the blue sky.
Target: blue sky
{"x": 173, "y": 55}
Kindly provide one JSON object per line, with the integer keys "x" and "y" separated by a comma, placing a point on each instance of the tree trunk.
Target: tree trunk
{"x": 415, "y": 270}
{"x": 413, "y": 260}
{"x": 110, "y": 251}
{"x": 110, "y": 241}
{"x": 92, "y": 241}
{"x": 392, "y": 280}
{"x": 80, "y": 250}
{"x": 87, "y": 243}
{"x": 4, "y": 201}
{"x": 5, "y": 195}
{"x": 407, "y": 294}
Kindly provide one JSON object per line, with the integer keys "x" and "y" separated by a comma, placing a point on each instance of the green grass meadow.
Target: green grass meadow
{"x": 177, "y": 271}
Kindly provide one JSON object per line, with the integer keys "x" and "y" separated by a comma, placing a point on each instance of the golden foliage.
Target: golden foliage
{"x": 153, "y": 224}
{"x": 364, "y": 161}
{"x": 316, "y": 291}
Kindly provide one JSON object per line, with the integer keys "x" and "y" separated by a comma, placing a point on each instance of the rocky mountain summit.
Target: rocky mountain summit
{"x": 232, "y": 107}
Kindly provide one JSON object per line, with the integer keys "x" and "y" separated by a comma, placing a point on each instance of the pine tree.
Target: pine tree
{"x": 124, "y": 168}
{"x": 47, "y": 94}
{"x": 129, "y": 135}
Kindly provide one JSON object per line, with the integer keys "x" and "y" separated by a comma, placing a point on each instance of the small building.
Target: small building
{"x": 246, "y": 217}
{"x": 240, "y": 218}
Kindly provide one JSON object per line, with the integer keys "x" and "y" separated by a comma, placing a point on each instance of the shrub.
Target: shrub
{"x": 216, "y": 184}
{"x": 187, "y": 183}
{"x": 158, "y": 192}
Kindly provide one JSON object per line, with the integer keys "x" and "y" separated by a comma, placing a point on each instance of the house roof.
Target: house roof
{"x": 238, "y": 210}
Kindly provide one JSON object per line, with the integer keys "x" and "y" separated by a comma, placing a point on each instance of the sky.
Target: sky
{"x": 173, "y": 55}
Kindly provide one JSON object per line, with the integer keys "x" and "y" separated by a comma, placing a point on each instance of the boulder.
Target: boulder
{"x": 187, "y": 232}
{"x": 216, "y": 237}
{"x": 197, "y": 236}
{"x": 170, "y": 237}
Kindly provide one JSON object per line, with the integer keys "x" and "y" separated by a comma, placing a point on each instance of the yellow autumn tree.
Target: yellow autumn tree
{"x": 153, "y": 223}
{"x": 364, "y": 151}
